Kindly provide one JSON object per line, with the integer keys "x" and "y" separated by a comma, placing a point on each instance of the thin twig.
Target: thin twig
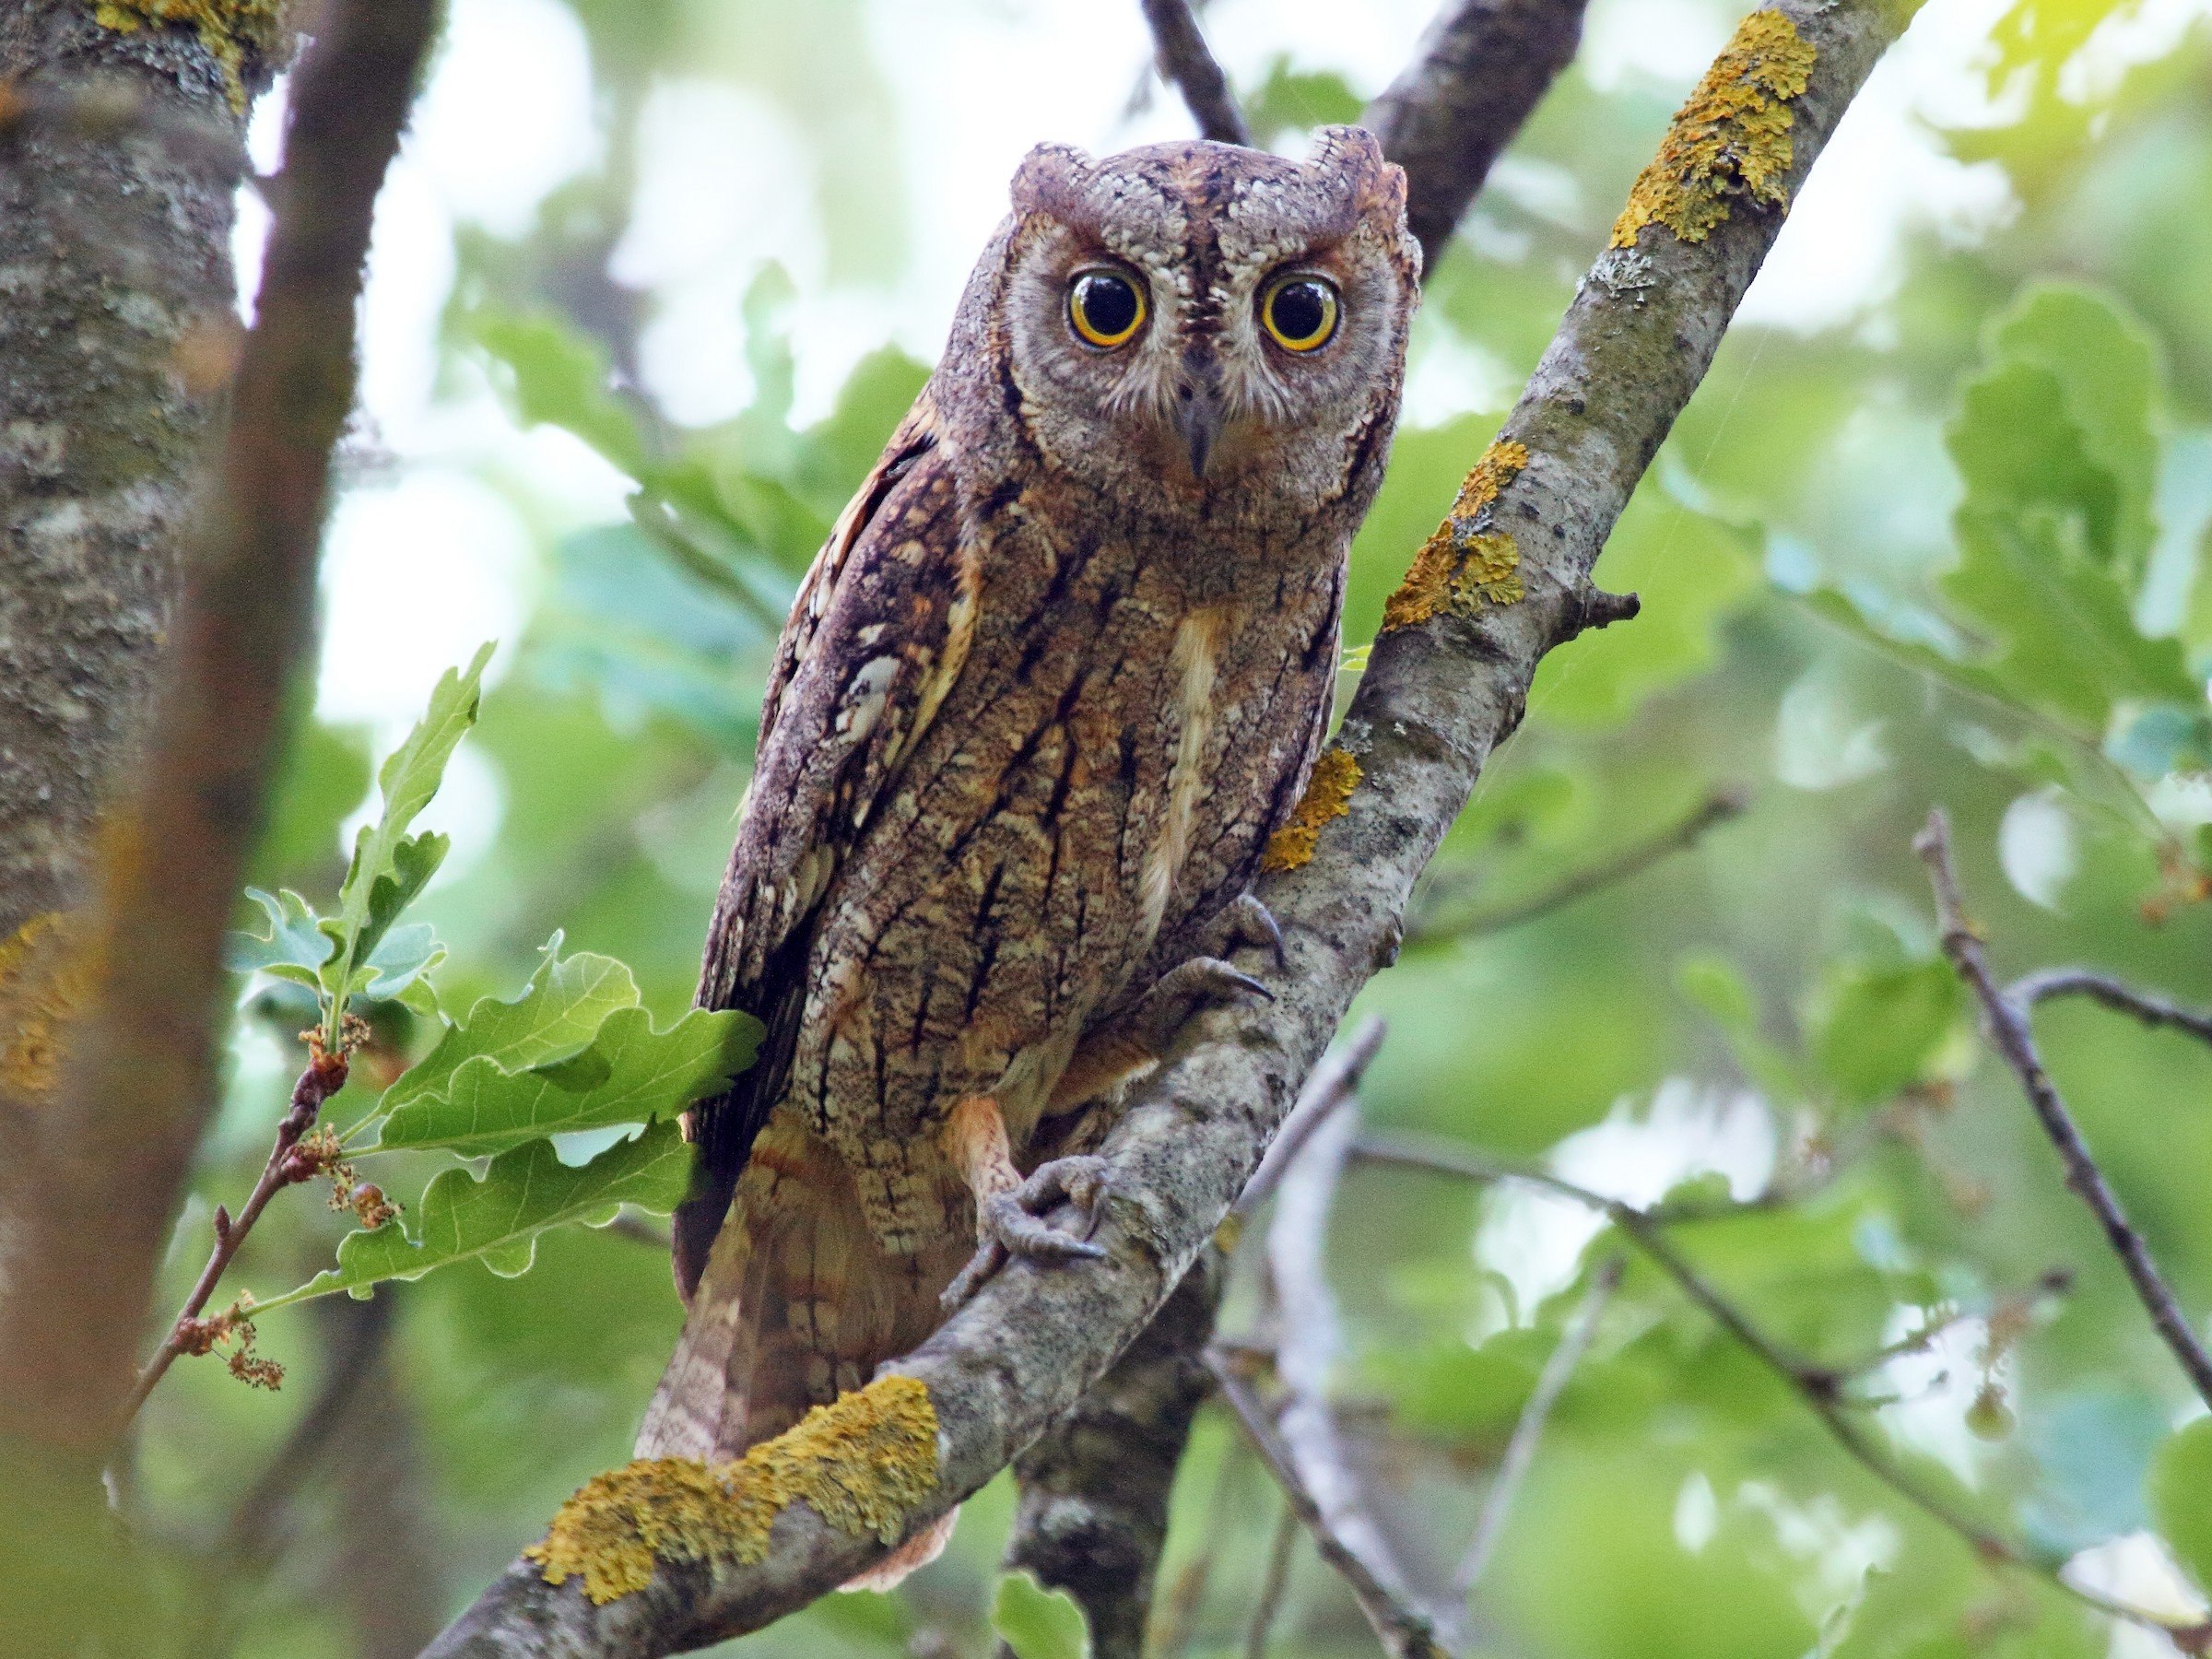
{"x": 1819, "y": 1386}
{"x": 1179, "y": 1610}
{"x": 1715, "y": 808}
{"x": 324, "y": 1075}
{"x": 1187, "y": 64}
{"x": 1303, "y": 1309}
{"x": 2007, "y": 1022}
{"x": 2147, "y": 1006}
{"x": 1269, "y": 1602}
{"x": 1330, "y": 1084}
{"x": 1521, "y": 1450}
{"x": 1403, "y": 1632}
{"x": 639, "y": 1229}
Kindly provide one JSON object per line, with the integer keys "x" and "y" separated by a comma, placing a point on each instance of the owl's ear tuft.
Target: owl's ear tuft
{"x": 1050, "y": 177}
{"x": 1375, "y": 185}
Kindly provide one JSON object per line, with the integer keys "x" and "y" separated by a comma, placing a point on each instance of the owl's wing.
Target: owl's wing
{"x": 877, "y": 635}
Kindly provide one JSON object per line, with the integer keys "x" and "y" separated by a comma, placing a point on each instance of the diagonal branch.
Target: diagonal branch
{"x": 2006, "y": 1018}
{"x": 1482, "y": 69}
{"x": 1715, "y": 808}
{"x": 1819, "y": 1386}
{"x": 2151, "y": 1009}
{"x": 1446, "y": 683}
{"x": 1187, "y": 64}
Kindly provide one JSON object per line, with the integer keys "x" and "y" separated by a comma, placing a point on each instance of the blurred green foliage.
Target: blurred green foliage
{"x": 1947, "y": 547}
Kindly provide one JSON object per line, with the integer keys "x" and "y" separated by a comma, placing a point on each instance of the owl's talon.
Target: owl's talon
{"x": 1250, "y": 923}
{"x": 1012, "y": 1223}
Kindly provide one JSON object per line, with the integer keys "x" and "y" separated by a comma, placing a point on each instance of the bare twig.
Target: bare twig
{"x": 1715, "y": 808}
{"x": 1175, "y": 1615}
{"x": 1332, "y": 1083}
{"x": 1404, "y": 1633}
{"x": 1269, "y": 1603}
{"x": 1187, "y": 64}
{"x": 1440, "y": 693}
{"x": 286, "y": 1166}
{"x": 1482, "y": 69}
{"x": 1821, "y": 1388}
{"x": 2150, "y": 1009}
{"x": 2007, "y": 1022}
{"x": 1521, "y": 1449}
{"x": 639, "y": 1229}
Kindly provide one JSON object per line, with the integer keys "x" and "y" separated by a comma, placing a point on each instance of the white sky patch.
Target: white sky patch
{"x": 2127, "y": 37}
{"x": 507, "y": 116}
{"x": 411, "y": 265}
{"x": 416, "y": 575}
{"x": 2037, "y": 846}
{"x": 1667, "y": 41}
{"x": 1933, "y": 1388}
{"x": 1836, "y": 1551}
{"x": 1885, "y": 175}
{"x": 1533, "y": 1239}
{"x": 2136, "y": 1569}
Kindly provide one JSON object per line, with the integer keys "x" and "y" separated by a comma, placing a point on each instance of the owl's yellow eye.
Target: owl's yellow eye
{"x": 1300, "y": 313}
{"x": 1105, "y": 308}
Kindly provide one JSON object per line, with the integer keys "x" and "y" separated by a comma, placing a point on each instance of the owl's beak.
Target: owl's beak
{"x": 1198, "y": 416}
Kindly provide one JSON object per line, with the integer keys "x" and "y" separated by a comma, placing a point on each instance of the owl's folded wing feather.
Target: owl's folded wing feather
{"x": 878, "y": 633}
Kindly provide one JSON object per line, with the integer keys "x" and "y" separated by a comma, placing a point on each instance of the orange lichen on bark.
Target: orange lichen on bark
{"x": 1730, "y": 141}
{"x": 45, "y": 979}
{"x": 1328, "y": 795}
{"x": 1456, "y": 567}
{"x": 862, "y": 1464}
{"x": 228, "y": 29}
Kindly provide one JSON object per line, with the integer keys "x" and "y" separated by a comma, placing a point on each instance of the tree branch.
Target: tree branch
{"x": 1821, "y": 1388}
{"x": 1528, "y": 1428}
{"x": 1186, "y": 63}
{"x": 2151, "y": 1009}
{"x": 1482, "y": 69}
{"x": 2006, "y": 1021}
{"x": 1445, "y": 686}
{"x": 1715, "y": 808}
{"x": 1404, "y": 1633}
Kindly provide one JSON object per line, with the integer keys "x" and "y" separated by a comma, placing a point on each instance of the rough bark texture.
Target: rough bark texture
{"x": 119, "y": 155}
{"x": 1094, "y": 1491}
{"x": 1438, "y": 695}
{"x": 1480, "y": 71}
{"x": 95, "y": 1173}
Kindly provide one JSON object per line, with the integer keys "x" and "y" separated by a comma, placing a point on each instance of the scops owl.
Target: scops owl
{"x": 1060, "y": 669}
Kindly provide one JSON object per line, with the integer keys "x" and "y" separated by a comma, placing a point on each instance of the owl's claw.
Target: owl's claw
{"x": 1011, "y": 1223}
{"x": 1246, "y": 921}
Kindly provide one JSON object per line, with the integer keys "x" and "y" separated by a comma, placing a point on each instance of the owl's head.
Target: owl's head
{"x": 1206, "y": 317}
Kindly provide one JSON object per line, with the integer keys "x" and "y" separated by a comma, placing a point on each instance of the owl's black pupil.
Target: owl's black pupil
{"x": 1301, "y": 310}
{"x": 1109, "y": 303}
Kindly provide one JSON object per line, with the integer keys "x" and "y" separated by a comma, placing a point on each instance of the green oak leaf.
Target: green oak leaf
{"x": 496, "y": 1217}
{"x": 1037, "y": 1623}
{"x": 294, "y": 948}
{"x": 558, "y": 1015}
{"x": 630, "y": 1073}
{"x": 390, "y": 868}
{"x": 2180, "y": 1496}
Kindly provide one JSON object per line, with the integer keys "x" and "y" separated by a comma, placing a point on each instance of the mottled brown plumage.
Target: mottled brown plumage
{"x": 1057, "y": 674}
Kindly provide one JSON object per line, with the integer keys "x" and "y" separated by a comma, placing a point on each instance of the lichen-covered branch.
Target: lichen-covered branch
{"x": 1187, "y": 64}
{"x": 96, "y": 1173}
{"x": 1482, "y": 69}
{"x": 2006, "y": 1021}
{"x": 1438, "y": 695}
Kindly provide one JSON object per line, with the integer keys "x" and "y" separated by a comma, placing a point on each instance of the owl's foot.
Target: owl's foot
{"x": 1131, "y": 1044}
{"x": 1011, "y": 1222}
{"x": 1245, "y": 922}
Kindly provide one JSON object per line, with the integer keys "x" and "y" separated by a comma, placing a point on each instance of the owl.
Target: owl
{"x": 1059, "y": 672}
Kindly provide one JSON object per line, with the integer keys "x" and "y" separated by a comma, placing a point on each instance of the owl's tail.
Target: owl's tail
{"x": 798, "y": 1303}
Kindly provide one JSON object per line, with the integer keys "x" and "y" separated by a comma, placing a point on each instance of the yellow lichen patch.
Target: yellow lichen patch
{"x": 1731, "y": 140}
{"x": 1456, "y": 567}
{"x": 44, "y": 981}
{"x": 1328, "y": 795}
{"x": 863, "y": 1464}
{"x": 228, "y": 29}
